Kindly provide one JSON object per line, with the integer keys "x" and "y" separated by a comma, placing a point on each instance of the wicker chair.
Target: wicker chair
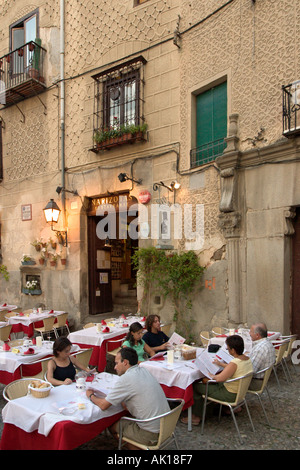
{"x": 16, "y": 389}
{"x": 61, "y": 323}
{"x": 5, "y": 332}
{"x": 168, "y": 423}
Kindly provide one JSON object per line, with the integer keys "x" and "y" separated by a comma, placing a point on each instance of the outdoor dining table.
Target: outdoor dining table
{"x": 5, "y": 306}
{"x": 220, "y": 339}
{"x": 25, "y": 322}
{"x": 61, "y": 421}
{"x": 15, "y": 365}
{"x": 176, "y": 379}
{"x": 91, "y": 337}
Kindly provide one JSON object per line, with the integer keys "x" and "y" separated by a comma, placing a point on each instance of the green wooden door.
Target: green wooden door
{"x": 211, "y": 123}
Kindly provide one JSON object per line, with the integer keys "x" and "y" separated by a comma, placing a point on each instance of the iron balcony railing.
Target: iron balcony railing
{"x": 22, "y": 73}
{"x": 291, "y": 109}
{"x": 207, "y": 153}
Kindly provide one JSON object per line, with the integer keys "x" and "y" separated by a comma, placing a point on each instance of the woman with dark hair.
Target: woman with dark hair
{"x": 240, "y": 365}
{"x": 155, "y": 338}
{"x": 134, "y": 340}
{"x": 61, "y": 368}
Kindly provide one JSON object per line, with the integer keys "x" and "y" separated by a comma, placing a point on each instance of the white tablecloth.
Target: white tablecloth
{"x": 181, "y": 374}
{"x": 29, "y": 318}
{"x": 92, "y": 337}
{"x": 7, "y": 306}
{"x": 220, "y": 340}
{"x": 29, "y": 413}
{"x": 10, "y": 361}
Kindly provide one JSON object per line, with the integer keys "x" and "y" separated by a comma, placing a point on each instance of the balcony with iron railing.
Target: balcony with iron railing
{"x": 206, "y": 153}
{"x": 22, "y": 73}
{"x": 291, "y": 109}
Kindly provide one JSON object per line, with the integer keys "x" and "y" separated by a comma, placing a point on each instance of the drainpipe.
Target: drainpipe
{"x": 62, "y": 104}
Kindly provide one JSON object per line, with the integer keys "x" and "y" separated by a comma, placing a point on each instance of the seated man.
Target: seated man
{"x": 262, "y": 354}
{"x": 140, "y": 393}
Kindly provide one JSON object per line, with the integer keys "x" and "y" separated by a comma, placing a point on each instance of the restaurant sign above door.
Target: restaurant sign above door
{"x": 120, "y": 203}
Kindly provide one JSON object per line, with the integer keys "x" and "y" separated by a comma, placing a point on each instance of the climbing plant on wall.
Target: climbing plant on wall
{"x": 173, "y": 275}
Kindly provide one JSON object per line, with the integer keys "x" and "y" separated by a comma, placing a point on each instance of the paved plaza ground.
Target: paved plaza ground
{"x": 284, "y": 433}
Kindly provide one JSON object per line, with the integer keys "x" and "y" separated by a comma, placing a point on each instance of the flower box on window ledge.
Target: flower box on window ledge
{"x": 113, "y": 137}
{"x": 31, "y": 292}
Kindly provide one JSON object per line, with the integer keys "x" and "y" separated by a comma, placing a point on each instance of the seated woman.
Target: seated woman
{"x": 155, "y": 338}
{"x": 61, "y": 368}
{"x": 134, "y": 340}
{"x": 239, "y": 366}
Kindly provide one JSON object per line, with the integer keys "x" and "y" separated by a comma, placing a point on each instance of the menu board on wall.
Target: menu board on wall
{"x": 103, "y": 259}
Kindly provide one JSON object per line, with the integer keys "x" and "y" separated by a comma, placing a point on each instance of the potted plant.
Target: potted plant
{"x": 43, "y": 255}
{"x": 53, "y": 258}
{"x": 63, "y": 256}
{"x": 27, "y": 260}
{"x": 53, "y": 243}
{"x": 37, "y": 245}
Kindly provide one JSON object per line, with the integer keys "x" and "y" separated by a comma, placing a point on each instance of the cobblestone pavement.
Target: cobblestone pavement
{"x": 283, "y": 434}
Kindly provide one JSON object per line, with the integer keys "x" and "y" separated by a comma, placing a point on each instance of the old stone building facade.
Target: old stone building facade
{"x": 206, "y": 79}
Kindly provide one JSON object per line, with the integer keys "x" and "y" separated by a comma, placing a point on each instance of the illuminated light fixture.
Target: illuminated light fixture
{"x": 107, "y": 243}
{"x": 124, "y": 177}
{"x": 51, "y": 212}
{"x": 173, "y": 186}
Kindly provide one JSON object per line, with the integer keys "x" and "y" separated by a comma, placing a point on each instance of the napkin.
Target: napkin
{"x": 123, "y": 316}
{"x": 103, "y": 322}
{"x": 4, "y": 305}
{"x": 21, "y": 314}
{"x": 6, "y": 347}
{"x": 51, "y": 311}
{"x": 125, "y": 324}
{"x": 29, "y": 351}
{"x": 105, "y": 330}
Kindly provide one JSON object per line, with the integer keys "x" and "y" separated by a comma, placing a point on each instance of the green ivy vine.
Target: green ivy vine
{"x": 173, "y": 275}
{"x": 4, "y": 272}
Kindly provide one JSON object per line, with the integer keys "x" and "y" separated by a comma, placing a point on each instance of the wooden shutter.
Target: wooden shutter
{"x": 211, "y": 120}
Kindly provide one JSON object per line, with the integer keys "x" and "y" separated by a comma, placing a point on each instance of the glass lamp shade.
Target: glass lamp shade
{"x": 51, "y": 212}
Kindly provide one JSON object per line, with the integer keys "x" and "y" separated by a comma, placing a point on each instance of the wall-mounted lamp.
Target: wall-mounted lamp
{"x": 107, "y": 243}
{"x": 51, "y": 212}
{"x": 173, "y": 186}
{"x": 59, "y": 189}
{"x": 124, "y": 177}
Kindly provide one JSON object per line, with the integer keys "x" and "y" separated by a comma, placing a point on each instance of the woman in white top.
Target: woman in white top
{"x": 239, "y": 366}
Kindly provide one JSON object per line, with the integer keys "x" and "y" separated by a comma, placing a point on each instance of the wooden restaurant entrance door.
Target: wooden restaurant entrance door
{"x": 109, "y": 249}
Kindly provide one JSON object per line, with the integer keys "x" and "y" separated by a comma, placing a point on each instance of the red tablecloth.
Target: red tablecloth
{"x": 176, "y": 392}
{"x": 28, "y": 370}
{"x": 98, "y": 357}
{"x": 65, "y": 435}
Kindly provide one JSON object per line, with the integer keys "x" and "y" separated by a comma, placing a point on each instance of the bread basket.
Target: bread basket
{"x": 188, "y": 352}
{"x": 37, "y": 391}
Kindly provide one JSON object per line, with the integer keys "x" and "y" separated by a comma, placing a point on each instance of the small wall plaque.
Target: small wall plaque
{"x": 26, "y": 212}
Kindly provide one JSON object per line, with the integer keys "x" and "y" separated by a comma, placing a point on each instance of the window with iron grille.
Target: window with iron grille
{"x": 119, "y": 104}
